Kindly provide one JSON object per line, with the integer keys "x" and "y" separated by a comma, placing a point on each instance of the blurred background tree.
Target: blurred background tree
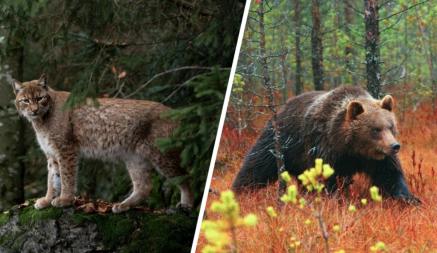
{"x": 176, "y": 52}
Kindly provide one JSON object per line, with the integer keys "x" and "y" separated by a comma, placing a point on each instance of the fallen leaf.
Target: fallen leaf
{"x": 88, "y": 207}
{"x": 122, "y": 75}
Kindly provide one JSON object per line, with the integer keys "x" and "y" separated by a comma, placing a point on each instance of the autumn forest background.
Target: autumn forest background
{"x": 293, "y": 46}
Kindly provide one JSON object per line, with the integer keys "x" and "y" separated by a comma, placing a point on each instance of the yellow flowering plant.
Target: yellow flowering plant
{"x": 220, "y": 233}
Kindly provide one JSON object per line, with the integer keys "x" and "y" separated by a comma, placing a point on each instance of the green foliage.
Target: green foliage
{"x": 198, "y": 126}
{"x": 238, "y": 85}
{"x": 407, "y": 45}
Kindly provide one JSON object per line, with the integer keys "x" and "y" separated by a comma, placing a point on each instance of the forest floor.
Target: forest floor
{"x": 401, "y": 227}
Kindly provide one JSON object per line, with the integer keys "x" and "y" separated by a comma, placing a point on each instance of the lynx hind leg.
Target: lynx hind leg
{"x": 168, "y": 166}
{"x": 53, "y": 185}
{"x": 139, "y": 172}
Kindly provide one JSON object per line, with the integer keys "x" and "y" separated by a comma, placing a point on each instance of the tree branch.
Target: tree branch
{"x": 404, "y": 10}
{"x": 171, "y": 71}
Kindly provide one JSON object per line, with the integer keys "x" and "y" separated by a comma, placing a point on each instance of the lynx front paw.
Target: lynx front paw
{"x": 42, "y": 203}
{"x": 62, "y": 202}
{"x": 120, "y": 207}
{"x": 187, "y": 207}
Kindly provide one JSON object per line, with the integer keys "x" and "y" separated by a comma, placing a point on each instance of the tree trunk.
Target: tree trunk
{"x": 317, "y": 46}
{"x": 270, "y": 96}
{"x": 21, "y": 148}
{"x": 284, "y": 68}
{"x": 337, "y": 80}
{"x": 430, "y": 59}
{"x": 349, "y": 51}
{"x": 373, "y": 67}
{"x": 298, "y": 86}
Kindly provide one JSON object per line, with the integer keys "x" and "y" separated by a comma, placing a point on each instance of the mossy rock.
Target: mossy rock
{"x": 67, "y": 230}
{"x": 4, "y": 218}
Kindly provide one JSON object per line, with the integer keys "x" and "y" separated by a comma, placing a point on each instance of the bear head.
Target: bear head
{"x": 371, "y": 127}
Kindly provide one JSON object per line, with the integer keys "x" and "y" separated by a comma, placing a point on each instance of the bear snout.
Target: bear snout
{"x": 395, "y": 147}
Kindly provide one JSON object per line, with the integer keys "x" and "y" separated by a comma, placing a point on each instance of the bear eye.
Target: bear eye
{"x": 376, "y": 130}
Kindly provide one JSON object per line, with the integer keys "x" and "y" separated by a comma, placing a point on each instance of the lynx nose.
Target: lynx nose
{"x": 395, "y": 147}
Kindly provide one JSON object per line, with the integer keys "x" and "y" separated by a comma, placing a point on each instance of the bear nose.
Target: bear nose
{"x": 395, "y": 147}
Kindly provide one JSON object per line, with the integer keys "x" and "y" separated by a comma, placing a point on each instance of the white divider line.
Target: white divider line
{"x": 220, "y": 128}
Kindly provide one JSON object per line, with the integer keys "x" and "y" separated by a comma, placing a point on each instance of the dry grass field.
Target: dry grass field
{"x": 401, "y": 227}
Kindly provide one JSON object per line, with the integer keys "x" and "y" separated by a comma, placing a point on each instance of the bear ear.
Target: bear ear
{"x": 354, "y": 109}
{"x": 387, "y": 103}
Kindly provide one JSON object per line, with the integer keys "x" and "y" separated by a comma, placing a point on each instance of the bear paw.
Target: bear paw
{"x": 42, "y": 203}
{"x": 62, "y": 202}
{"x": 120, "y": 207}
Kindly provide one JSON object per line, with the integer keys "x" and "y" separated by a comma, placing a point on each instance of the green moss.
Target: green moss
{"x": 142, "y": 232}
{"x": 162, "y": 233}
{"x": 6, "y": 239}
{"x": 113, "y": 228}
{"x": 4, "y": 218}
{"x": 13, "y": 240}
{"x": 133, "y": 231}
{"x": 168, "y": 233}
{"x": 30, "y": 215}
{"x": 18, "y": 241}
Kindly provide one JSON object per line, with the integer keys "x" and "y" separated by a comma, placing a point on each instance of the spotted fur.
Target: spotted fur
{"x": 116, "y": 129}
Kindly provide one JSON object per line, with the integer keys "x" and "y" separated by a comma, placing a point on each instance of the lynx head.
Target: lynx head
{"x": 32, "y": 98}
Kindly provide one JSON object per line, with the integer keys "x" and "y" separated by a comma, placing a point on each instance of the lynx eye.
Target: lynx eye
{"x": 24, "y": 101}
{"x": 39, "y": 99}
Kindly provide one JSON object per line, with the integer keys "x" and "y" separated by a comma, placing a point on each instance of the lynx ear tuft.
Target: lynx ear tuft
{"x": 387, "y": 103}
{"x": 42, "y": 81}
{"x": 16, "y": 86}
{"x": 354, "y": 108}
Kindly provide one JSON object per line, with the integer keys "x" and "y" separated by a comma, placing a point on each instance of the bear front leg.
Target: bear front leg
{"x": 67, "y": 169}
{"x": 53, "y": 172}
{"x": 388, "y": 176}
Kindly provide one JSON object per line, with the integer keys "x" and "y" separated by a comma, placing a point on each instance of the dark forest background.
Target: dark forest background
{"x": 176, "y": 52}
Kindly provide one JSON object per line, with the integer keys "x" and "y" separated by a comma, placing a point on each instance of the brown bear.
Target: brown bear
{"x": 346, "y": 127}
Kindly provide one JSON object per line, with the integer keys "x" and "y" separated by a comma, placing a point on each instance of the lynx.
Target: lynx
{"x": 115, "y": 129}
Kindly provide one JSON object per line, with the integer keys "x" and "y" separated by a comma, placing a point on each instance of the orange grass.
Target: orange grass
{"x": 402, "y": 228}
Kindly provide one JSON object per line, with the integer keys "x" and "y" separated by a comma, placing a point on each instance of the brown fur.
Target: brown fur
{"x": 346, "y": 127}
{"x": 117, "y": 129}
